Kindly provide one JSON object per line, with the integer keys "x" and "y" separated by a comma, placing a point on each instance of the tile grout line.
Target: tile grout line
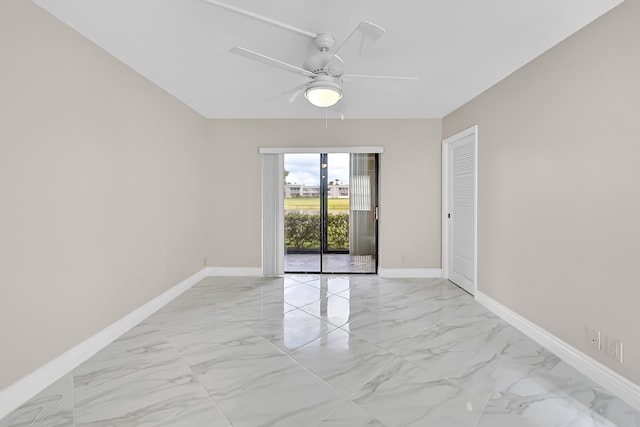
{"x": 194, "y": 376}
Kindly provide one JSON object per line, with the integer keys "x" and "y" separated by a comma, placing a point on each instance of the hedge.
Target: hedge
{"x": 302, "y": 231}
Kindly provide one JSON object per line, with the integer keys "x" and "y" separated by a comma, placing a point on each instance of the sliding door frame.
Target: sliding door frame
{"x": 273, "y": 189}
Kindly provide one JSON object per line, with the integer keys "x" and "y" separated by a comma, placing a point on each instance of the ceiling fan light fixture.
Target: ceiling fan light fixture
{"x": 323, "y": 94}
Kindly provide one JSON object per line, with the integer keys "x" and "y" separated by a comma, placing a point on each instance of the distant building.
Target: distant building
{"x": 338, "y": 191}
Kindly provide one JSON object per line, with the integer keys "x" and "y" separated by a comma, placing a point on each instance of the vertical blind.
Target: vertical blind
{"x": 361, "y": 190}
{"x": 272, "y": 215}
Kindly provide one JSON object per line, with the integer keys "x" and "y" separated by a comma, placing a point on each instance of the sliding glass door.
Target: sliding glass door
{"x": 330, "y": 207}
{"x": 302, "y": 213}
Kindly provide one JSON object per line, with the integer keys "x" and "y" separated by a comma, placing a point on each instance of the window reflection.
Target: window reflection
{"x": 335, "y": 308}
{"x": 320, "y": 310}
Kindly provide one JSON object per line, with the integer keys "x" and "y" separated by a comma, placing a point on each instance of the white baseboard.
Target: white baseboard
{"x": 29, "y": 386}
{"x": 405, "y": 273}
{"x": 234, "y": 271}
{"x": 596, "y": 371}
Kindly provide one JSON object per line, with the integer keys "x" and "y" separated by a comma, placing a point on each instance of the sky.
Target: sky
{"x": 305, "y": 168}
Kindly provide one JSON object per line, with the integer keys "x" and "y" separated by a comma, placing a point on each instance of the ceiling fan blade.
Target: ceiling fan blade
{"x": 370, "y": 33}
{"x": 262, "y": 18}
{"x": 293, "y": 93}
{"x": 271, "y": 61}
{"x": 376, "y": 81}
{"x": 339, "y": 108}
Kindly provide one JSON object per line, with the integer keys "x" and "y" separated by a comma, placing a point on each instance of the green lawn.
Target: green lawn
{"x": 309, "y": 204}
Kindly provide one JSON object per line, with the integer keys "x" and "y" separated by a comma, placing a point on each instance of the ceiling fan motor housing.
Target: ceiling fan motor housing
{"x": 317, "y": 64}
{"x": 324, "y": 41}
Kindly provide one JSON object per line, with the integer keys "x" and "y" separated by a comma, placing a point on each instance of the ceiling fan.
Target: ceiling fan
{"x": 324, "y": 70}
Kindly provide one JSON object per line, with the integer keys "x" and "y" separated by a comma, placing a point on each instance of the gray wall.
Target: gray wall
{"x": 101, "y": 183}
{"x": 559, "y": 186}
{"x": 410, "y": 218}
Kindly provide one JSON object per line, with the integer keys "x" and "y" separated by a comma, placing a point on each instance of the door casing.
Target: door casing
{"x": 446, "y": 191}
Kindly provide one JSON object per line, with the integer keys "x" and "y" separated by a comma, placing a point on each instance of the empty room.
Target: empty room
{"x": 244, "y": 213}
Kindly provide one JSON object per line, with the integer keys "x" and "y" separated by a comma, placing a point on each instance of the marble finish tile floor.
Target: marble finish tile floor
{"x": 332, "y": 350}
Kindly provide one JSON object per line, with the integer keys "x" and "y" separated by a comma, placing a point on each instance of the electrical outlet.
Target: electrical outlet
{"x": 593, "y": 337}
{"x": 204, "y": 262}
{"x": 614, "y": 348}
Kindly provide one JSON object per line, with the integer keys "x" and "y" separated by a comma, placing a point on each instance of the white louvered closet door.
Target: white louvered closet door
{"x": 462, "y": 208}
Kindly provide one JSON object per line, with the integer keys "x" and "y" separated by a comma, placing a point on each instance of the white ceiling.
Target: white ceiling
{"x": 457, "y": 48}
